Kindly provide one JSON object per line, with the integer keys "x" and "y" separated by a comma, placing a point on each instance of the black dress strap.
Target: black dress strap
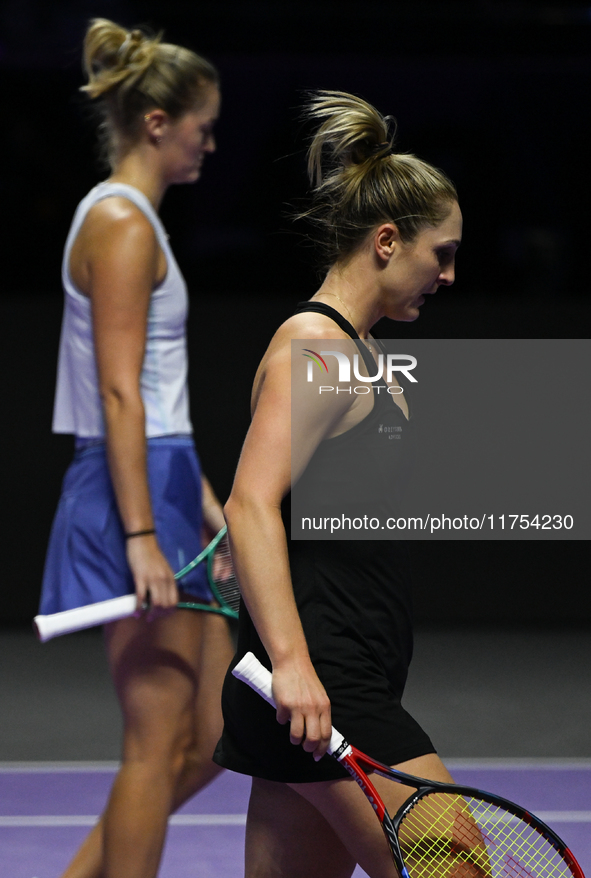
{"x": 328, "y": 311}
{"x": 321, "y": 308}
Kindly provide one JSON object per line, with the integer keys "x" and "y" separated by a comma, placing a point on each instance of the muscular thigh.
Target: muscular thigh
{"x": 155, "y": 667}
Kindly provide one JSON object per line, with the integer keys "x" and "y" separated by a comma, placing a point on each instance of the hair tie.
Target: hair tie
{"x": 132, "y": 37}
{"x": 124, "y": 46}
{"x": 379, "y": 147}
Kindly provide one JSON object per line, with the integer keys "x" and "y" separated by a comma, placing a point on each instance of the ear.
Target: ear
{"x": 156, "y": 124}
{"x": 386, "y": 239}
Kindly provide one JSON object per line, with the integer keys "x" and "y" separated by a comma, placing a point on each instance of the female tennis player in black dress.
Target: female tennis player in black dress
{"x": 332, "y": 618}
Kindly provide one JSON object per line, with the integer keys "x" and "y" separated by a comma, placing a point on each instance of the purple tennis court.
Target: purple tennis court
{"x": 46, "y": 809}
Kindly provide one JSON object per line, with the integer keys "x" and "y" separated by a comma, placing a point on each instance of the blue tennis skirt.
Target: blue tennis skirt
{"x": 86, "y": 560}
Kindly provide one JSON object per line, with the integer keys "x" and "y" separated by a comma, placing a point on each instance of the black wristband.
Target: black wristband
{"x": 139, "y": 533}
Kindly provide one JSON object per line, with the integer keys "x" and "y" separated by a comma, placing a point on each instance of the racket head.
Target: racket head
{"x": 476, "y": 835}
{"x": 445, "y": 830}
{"x": 221, "y": 577}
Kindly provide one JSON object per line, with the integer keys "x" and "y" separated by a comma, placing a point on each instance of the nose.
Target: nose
{"x": 447, "y": 276}
{"x": 210, "y": 144}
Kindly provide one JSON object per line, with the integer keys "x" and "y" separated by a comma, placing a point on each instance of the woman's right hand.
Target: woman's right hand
{"x": 153, "y": 577}
{"x": 302, "y": 701}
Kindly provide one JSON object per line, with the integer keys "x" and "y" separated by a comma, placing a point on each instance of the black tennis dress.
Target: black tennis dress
{"x": 354, "y": 600}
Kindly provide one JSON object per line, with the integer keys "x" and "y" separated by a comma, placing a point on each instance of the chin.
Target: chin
{"x": 409, "y": 315}
{"x": 190, "y": 176}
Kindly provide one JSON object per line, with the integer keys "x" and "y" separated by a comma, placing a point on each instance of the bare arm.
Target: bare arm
{"x": 259, "y": 546}
{"x": 122, "y": 261}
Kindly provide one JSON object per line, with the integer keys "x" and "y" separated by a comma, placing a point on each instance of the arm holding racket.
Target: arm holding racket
{"x": 124, "y": 264}
{"x": 259, "y": 545}
{"x": 250, "y": 671}
{"x": 259, "y": 550}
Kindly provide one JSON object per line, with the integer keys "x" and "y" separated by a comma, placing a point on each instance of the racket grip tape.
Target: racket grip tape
{"x": 250, "y": 671}
{"x": 88, "y": 616}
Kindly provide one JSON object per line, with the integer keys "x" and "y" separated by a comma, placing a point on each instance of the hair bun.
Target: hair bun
{"x": 113, "y": 55}
{"x": 351, "y": 132}
{"x": 359, "y": 181}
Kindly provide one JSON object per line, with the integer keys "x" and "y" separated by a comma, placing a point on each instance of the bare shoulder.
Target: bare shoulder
{"x": 115, "y": 237}
{"x": 276, "y": 363}
{"x": 119, "y": 218}
{"x": 310, "y": 325}
{"x": 116, "y": 243}
{"x": 300, "y": 326}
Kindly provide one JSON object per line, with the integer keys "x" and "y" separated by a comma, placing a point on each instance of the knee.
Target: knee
{"x": 185, "y": 752}
{"x": 197, "y": 762}
{"x": 192, "y": 755}
{"x": 164, "y": 745}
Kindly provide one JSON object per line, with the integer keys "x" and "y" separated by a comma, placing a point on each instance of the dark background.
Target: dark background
{"x": 496, "y": 93}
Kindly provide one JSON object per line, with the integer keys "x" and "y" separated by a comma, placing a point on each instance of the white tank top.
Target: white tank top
{"x": 163, "y": 380}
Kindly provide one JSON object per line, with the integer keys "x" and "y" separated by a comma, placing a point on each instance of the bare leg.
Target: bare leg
{"x": 335, "y": 831}
{"x": 217, "y": 652}
{"x": 349, "y": 813}
{"x": 286, "y": 837}
{"x": 172, "y": 722}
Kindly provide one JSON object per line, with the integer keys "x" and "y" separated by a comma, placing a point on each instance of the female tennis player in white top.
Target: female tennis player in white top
{"x": 122, "y": 392}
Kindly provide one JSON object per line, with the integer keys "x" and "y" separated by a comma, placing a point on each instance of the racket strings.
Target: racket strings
{"x": 439, "y": 838}
{"x": 452, "y": 836}
{"x": 222, "y": 575}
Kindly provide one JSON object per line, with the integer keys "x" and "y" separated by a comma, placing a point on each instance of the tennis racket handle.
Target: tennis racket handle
{"x": 250, "y": 671}
{"x": 84, "y": 617}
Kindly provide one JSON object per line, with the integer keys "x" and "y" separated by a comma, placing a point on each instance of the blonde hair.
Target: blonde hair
{"x": 359, "y": 182}
{"x": 131, "y": 72}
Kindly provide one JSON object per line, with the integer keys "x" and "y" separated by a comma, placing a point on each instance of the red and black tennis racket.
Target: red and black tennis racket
{"x": 445, "y": 830}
